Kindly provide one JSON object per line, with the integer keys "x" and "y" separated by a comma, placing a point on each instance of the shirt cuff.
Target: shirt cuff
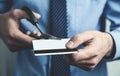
{"x": 116, "y": 37}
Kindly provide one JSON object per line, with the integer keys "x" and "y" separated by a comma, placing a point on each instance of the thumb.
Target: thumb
{"x": 19, "y": 14}
{"x": 79, "y": 39}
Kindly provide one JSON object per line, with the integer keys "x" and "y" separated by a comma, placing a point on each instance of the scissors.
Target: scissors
{"x": 34, "y": 21}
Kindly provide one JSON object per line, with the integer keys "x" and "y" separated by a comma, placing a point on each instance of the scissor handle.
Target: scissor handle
{"x": 32, "y": 19}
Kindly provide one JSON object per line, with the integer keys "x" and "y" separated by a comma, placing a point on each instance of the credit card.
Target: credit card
{"x": 51, "y": 47}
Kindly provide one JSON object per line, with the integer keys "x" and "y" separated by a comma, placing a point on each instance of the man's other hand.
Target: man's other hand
{"x": 97, "y": 45}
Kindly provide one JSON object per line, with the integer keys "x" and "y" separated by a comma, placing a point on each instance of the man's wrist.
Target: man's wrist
{"x": 111, "y": 53}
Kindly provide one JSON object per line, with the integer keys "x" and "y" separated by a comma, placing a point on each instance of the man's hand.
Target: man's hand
{"x": 10, "y": 33}
{"x": 96, "y": 46}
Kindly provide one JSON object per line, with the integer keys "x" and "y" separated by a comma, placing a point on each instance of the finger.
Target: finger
{"x": 85, "y": 53}
{"x": 34, "y": 32}
{"x": 16, "y": 45}
{"x": 18, "y": 14}
{"x": 28, "y": 33}
{"x": 19, "y": 47}
{"x": 38, "y": 34}
{"x": 23, "y": 37}
{"x": 88, "y": 61}
{"x": 86, "y": 67}
{"x": 78, "y": 40}
{"x": 83, "y": 67}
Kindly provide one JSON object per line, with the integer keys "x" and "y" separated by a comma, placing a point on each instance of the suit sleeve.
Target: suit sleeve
{"x": 112, "y": 13}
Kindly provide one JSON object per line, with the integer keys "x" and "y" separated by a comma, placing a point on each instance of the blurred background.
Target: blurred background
{"x": 8, "y": 59}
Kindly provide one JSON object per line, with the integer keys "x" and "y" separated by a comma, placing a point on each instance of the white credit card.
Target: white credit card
{"x": 51, "y": 47}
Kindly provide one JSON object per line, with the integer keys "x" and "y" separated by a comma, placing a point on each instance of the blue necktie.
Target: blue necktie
{"x": 58, "y": 21}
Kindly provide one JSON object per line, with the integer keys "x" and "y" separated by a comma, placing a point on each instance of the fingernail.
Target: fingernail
{"x": 70, "y": 44}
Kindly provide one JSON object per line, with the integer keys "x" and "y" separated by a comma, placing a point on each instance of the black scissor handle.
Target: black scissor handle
{"x": 32, "y": 19}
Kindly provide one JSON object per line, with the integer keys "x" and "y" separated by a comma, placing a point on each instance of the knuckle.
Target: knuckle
{"x": 95, "y": 53}
{"x": 14, "y": 12}
{"x": 92, "y": 54}
{"x": 15, "y": 36}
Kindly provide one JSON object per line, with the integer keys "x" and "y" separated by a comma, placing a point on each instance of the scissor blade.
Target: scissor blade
{"x": 45, "y": 36}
